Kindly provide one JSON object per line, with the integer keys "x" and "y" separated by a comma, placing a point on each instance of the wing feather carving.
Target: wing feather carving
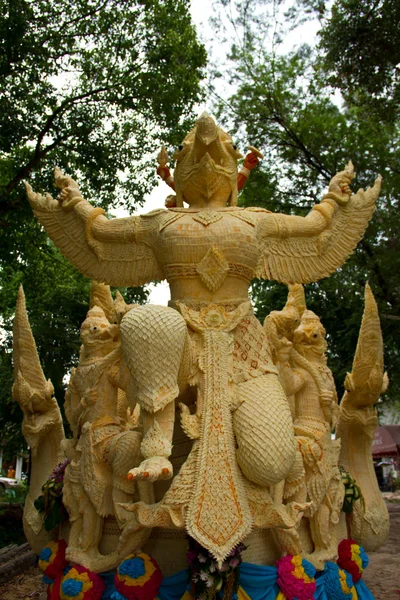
{"x": 120, "y": 262}
{"x": 300, "y": 259}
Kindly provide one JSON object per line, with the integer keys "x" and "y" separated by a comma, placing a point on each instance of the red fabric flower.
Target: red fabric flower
{"x": 52, "y": 559}
{"x": 81, "y": 584}
{"x": 138, "y": 577}
{"x": 352, "y": 558}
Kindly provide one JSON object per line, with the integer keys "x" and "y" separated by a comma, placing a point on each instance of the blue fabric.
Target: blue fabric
{"x": 134, "y": 567}
{"x": 364, "y": 558}
{"x": 72, "y": 587}
{"x": 333, "y": 586}
{"x": 320, "y": 593}
{"x": 362, "y": 591}
{"x": 117, "y": 596}
{"x": 45, "y": 554}
{"x": 174, "y": 586}
{"x": 308, "y": 567}
{"x": 259, "y": 582}
{"x": 108, "y": 579}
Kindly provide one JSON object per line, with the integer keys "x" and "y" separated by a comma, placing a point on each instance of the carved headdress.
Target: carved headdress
{"x": 206, "y": 163}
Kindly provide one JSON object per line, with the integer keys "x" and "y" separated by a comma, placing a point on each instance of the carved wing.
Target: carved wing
{"x": 303, "y": 259}
{"x": 120, "y": 262}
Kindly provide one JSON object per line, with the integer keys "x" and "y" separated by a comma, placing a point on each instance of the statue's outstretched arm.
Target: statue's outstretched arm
{"x": 304, "y": 249}
{"x": 111, "y": 251}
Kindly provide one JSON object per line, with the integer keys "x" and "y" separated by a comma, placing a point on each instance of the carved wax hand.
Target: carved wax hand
{"x": 152, "y": 469}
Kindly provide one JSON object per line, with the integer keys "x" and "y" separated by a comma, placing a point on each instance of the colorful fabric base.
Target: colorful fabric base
{"x": 256, "y": 583}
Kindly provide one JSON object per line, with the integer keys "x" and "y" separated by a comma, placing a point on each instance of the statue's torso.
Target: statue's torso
{"x": 89, "y": 380}
{"x": 208, "y": 255}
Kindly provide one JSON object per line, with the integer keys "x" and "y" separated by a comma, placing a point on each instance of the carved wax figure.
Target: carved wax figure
{"x": 209, "y": 338}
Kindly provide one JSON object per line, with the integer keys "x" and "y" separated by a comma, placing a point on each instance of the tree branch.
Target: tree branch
{"x": 60, "y": 109}
{"x": 24, "y": 173}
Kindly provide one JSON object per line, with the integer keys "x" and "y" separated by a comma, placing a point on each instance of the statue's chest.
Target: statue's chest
{"x": 187, "y": 238}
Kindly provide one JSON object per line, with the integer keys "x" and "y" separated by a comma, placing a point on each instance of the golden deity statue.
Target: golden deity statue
{"x": 228, "y": 408}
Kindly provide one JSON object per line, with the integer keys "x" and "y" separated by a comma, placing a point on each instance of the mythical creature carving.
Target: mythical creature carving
{"x": 42, "y": 423}
{"x": 316, "y": 408}
{"x": 369, "y": 523}
{"x": 104, "y": 447}
{"x": 250, "y": 382}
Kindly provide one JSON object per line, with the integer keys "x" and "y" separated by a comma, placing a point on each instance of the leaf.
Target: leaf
{"x": 39, "y": 504}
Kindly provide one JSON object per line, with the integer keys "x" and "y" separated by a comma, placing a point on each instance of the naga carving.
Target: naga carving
{"x": 369, "y": 522}
{"x": 42, "y": 423}
{"x": 257, "y": 404}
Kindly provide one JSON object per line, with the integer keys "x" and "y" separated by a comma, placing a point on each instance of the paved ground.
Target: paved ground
{"x": 383, "y": 572}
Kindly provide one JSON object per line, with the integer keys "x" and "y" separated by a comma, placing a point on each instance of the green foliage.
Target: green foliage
{"x": 50, "y": 502}
{"x": 16, "y": 495}
{"x": 352, "y": 491}
{"x": 362, "y": 54}
{"x": 54, "y": 510}
{"x": 91, "y": 93}
{"x": 91, "y": 87}
{"x": 283, "y": 102}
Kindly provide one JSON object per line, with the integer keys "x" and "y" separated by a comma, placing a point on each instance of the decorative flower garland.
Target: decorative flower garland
{"x": 352, "y": 492}
{"x": 138, "y": 577}
{"x": 296, "y": 578}
{"x": 50, "y": 502}
{"x": 352, "y": 558}
{"x": 207, "y": 580}
{"x": 52, "y": 563}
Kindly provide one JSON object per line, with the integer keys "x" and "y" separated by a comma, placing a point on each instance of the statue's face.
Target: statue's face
{"x": 206, "y": 166}
{"x": 98, "y": 333}
{"x": 310, "y": 334}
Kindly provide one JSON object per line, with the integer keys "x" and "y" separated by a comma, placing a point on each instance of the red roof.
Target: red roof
{"x": 386, "y": 441}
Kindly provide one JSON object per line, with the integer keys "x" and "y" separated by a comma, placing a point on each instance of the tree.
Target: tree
{"x": 90, "y": 86}
{"x": 362, "y": 54}
{"x": 282, "y": 101}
